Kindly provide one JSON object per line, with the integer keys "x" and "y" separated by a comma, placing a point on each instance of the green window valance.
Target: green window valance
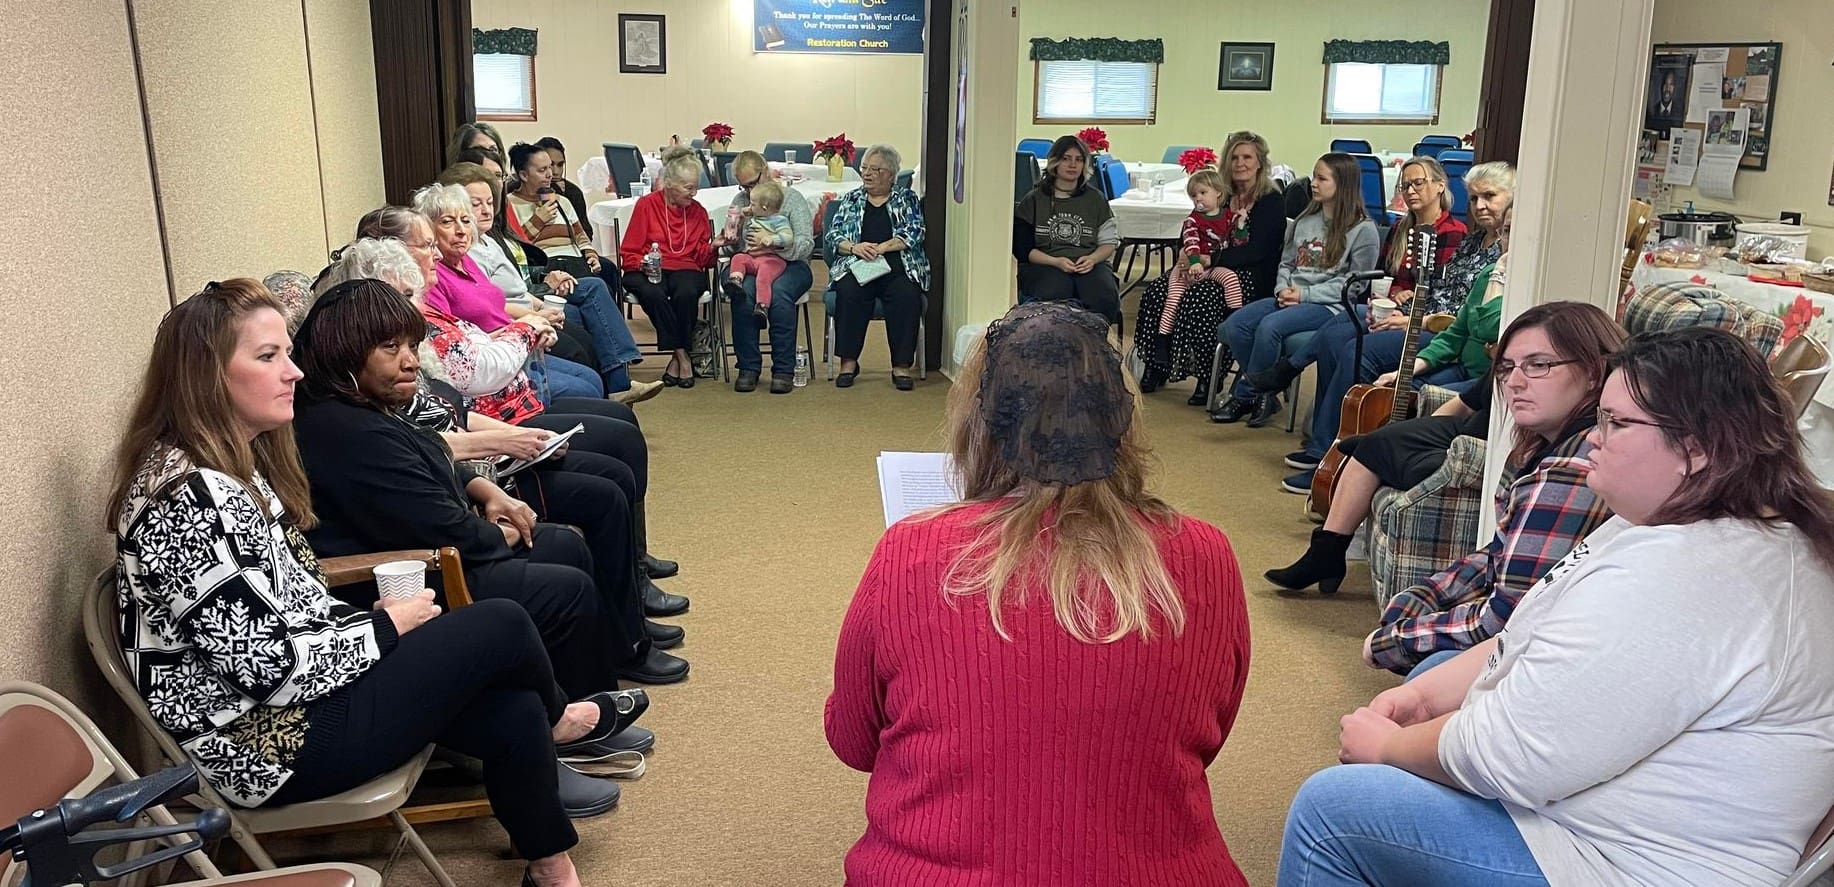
{"x": 506, "y": 41}
{"x": 1098, "y": 49}
{"x": 1388, "y": 52}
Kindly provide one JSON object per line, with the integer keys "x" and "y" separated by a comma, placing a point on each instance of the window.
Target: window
{"x": 1367, "y": 93}
{"x": 1094, "y": 92}
{"x": 504, "y": 85}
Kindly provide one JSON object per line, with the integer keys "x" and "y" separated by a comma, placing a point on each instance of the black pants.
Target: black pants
{"x": 853, "y": 304}
{"x": 672, "y": 304}
{"x": 576, "y": 345}
{"x": 474, "y": 680}
{"x": 1099, "y": 290}
{"x": 610, "y": 430}
{"x": 600, "y": 507}
{"x": 553, "y": 581}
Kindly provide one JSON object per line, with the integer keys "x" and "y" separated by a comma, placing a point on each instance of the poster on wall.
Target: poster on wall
{"x": 1696, "y": 86}
{"x": 867, "y": 27}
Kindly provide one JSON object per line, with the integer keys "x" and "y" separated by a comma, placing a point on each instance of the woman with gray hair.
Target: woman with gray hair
{"x": 671, "y": 221}
{"x": 875, "y": 254}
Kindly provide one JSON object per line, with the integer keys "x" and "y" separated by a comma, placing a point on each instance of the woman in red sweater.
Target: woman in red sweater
{"x": 678, "y": 225}
{"x": 1037, "y": 677}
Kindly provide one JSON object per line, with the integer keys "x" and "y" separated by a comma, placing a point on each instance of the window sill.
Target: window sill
{"x": 1092, "y": 121}
{"x": 508, "y": 118}
{"x": 1379, "y": 121}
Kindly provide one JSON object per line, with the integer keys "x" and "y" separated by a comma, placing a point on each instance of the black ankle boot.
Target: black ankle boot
{"x": 1200, "y": 396}
{"x": 1322, "y": 563}
{"x": 1267, "y": 408}
{"x": 1152, "y": 379}
{"x": 1274, "y": 379}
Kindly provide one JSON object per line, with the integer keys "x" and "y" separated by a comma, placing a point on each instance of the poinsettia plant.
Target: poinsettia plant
{"x": 835, "y": 146}
{"x": 1194, "y": 159}
{"x": 717, "y": 132}
{"x": 1095, "y": 138}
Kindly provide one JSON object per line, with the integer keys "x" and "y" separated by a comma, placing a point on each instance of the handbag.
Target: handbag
{"x": 866, "y": 271}
{"x": 704, "y": 349}
{"x": 573, "y": 265}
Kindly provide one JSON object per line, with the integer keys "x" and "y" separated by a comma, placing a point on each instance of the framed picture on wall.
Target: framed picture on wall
{"x": 643, "y": 46}
{"x": 1246, "y": 66}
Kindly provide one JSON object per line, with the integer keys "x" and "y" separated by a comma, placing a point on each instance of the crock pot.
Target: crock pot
{"x": 1706, "y": 229}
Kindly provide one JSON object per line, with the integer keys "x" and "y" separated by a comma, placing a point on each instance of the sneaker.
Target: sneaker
{"x": 638, "y": 392}
{"x": 1300, "y": 483}
{"x": 1232, "y": 411}
{"x": 1302, "y": 460}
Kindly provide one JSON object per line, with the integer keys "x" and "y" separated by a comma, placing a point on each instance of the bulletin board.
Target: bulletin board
{"x": 1748, "y": 80}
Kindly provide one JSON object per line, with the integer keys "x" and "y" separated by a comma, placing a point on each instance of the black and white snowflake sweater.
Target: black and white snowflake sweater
{"x": 226, "y": 624}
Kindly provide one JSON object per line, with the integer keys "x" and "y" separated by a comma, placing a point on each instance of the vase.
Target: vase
{"x": 835, "y": 165}
{"x": 722, "y": 144}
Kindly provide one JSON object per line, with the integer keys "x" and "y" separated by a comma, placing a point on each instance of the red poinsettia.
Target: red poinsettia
{"x": 1469, "y": 139}
{"x": 1195, "y": 159}
{"x": 835, "y": 146}
{"x": 1797, "y": 317}
{"x": 717, "y": 132}
{"x": 1094, "y": 138}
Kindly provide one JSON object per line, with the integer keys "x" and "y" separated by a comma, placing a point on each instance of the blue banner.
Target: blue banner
{"x": 871, "y": 27}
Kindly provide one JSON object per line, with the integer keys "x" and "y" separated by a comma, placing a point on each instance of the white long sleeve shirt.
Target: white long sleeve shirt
{"x": 1660, "y": 709}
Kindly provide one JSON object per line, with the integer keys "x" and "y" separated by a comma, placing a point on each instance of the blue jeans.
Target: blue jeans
{"x": 1256, "y": 330}
{"x": 1381, "y": 354}
{"x": 1362, "y": 824}
{"x": 592, "y": 309}
{"x": 1432, "y": 661}
{"x": 569, "y": 379}
{"x": 1330, "y": 337}
{"x": 785, "y": 290}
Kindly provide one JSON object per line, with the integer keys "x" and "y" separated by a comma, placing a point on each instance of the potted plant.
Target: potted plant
{"x": 1194, "y": 159}
{"x": 838, "y": 152}
{"x": 718, "y": 136}
{"x": 1095, "y": 138}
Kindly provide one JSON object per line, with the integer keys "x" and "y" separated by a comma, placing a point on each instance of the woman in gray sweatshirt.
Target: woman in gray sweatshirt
{"x": 1331, "y": 240}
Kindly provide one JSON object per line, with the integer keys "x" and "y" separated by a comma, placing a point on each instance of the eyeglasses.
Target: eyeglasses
{"x": 1534, "y": 368}
{"x": 875, "y": 170}
{"x": 1607, "y": 420}
{"x": 1414, "y": 185}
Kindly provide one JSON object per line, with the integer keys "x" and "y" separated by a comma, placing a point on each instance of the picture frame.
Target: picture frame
{"x": 1749, "y": 80}
{"x": 643, "y": 44}
{"x": 1245, "y": 66}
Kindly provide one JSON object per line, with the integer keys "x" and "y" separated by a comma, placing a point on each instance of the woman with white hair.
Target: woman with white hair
{"x": 876, "y": 245}
{"x": 673, "y": 222}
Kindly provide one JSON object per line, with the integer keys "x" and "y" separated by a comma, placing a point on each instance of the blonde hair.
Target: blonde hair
{"x": 1397, "y": 246}
{"x": 1264, "y": 180}
{"x": 1209, "y": 177}
{"x": 767, "y": 195}
{"x": 1092, "y": 546}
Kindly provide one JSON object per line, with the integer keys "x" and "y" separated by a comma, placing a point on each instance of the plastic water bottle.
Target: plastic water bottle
{"x": 801, "y": 379}
{"x": 652, "y": 263}
{"x": 643, "y": 178}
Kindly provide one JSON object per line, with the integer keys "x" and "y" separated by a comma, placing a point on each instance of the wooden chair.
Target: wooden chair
{"x": 1800, "y": 367}
{"x": 49, "y": 751}
{"x": 381, "y": 802}
{"x": 1638, "y": 219}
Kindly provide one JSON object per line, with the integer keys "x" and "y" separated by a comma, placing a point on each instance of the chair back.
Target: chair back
{"x": 1173, "y": 152}
{"x": 1352, "y": 146}
{"x": 722, "y": 167}
{"x": 626, "y": 163}
{"x": 1457, "y": 162}
{"x": 778, "y": 151}
{"x": 905, "y": 177}
{"x": 1429, "y": 149}
{"x": 1681, "y": 304}
{"x": 697, "y": 144}
{"x": 1375, "y": 190}
{"x": 1458, "y": 155}
{"x": 1036, "y": 147}
{"x": 1298, "y": 196}
{"x": 1448, "y": 141}
{"x": 1800, "y": 366}
{"x": 1639, "y": 217}
{"x": 1114, "y": 179}
{"x": 828, "y": 210}
{"x": 1025, "y": 174}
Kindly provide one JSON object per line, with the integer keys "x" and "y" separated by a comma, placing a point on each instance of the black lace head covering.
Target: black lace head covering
{"x": 1053, "y": 394}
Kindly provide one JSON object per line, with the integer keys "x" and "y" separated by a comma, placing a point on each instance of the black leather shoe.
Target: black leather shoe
{"x": 747, "y": 381}
{"x": 583, "y": 796}
{"x": 1200, "y": 396}
{"x": 1274, "y": 379}
{"x": 657, "y": 602}
{"x": 663, "y": 637}
{"x": 628, "y": 739}
{"x": 1232, "y": 411}
{"x": 656, "y": 668}
{"x": 845, "y": 380}
{"x": 1266, "y": 409}
{"x": 659, "y": 568}
{"x": 618, "y": 709}
{"x": 904, "y": 383}
{"x": 782, "y": 384}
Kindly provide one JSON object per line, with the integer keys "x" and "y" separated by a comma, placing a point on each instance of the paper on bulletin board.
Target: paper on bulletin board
{"x": 1726, "y": 130}
{"x": 1711, "y": 54}
{"x": 1757, "y": 88}
{"x": 1683, "y": 156}
{"x": 1648, "y": 184}
{"x": 1715, "y": 177}
{"x": 1703, "y": 91}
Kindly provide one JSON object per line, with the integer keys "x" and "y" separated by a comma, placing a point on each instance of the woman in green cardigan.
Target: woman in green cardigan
{"x": 1467, "y": 342}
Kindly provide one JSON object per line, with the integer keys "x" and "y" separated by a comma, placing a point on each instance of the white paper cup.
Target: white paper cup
{"x": 789, "y": 156}
{"x": 399, "y": 579}
{"x": 1378, "y": 289}
{"x": 1380, "y": 309}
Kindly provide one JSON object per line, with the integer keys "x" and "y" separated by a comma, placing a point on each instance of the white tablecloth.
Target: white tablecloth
{"x": 811, "y": 171}
{"x": 1140, "y": 217}
{"x": 606, "y": 213}
{"x": 1143, "y": 175}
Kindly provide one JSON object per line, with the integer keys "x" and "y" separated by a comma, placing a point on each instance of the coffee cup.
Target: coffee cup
{"x": 1380, "y": 309}
{"x": 1378, "y": 289}
{"x": 400, "y": 579}
{"x": 789, "y": 156}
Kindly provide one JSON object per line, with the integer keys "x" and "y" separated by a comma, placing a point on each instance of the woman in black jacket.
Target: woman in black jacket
{"x": 1257, "y": 236}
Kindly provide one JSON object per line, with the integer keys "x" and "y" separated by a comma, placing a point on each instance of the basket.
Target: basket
{"x": 1821, "y": 283}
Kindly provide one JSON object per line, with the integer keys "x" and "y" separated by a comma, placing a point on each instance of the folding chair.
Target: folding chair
{"x": 629, "y": 300}
{"x": 1375, "y": 189}
{"x": 1173, "y": 152}
{"x": 779, "y": 151}
{"x": 1352, "y": 146}
{"x": 626, "y": 163}
{"x": 1036, "y": 147}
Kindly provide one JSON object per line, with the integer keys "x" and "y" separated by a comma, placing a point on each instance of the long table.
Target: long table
{"x": 613, "y": 215}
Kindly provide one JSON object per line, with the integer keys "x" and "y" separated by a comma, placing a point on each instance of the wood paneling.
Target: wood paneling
{"x": 423, "y": 86}
{"x": 1499, "y": 105}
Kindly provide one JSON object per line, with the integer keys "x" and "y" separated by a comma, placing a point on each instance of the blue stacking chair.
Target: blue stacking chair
{"x": 1429, "y": 149}
{"x": 1173, "y": 152}
{"x": 1448, "y": 141}
{"x": 1375, "y": 191}
{"x": 1457, "y": 155}
{"x": 697, "y": 144}
{"x": 805, "y": 151}
{"x": 1025, "y": 174}
{"x": 830, "y": 297}
{"x": 1352, "y": 146}
{"x": 1457, "y": 162}
{"x": 1035, "y": 147}
{"x": 1114, "y": 179}
{"x": 626, "y": 162}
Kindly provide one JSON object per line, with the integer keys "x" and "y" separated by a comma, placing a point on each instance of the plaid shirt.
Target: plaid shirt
{"x": 1541, "y": 515}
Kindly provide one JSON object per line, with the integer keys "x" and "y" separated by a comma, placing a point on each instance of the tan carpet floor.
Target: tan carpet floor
{"x": 772, "y": 507}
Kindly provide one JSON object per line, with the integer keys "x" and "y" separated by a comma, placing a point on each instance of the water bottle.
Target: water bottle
{"x": 643, "y": 178}
{"x": 652, "y": 263}
{"x": 802, "y": 367}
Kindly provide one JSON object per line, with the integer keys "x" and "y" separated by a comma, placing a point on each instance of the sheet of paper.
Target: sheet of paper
{"x": 1725, "y": 136}
{"x": 547, "y": 450}
{"x": 1683, "y": 156}
{"x": 1757, "y": 88}
{"x": 1703, "y": 91}
{"x": 912, "y": 482}
{"x": 1715, "y": 177}
{"x": 1647, "y": 183}
{"x": 1711, "y": 54}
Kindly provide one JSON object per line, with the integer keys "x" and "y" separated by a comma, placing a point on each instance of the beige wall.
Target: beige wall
{"x": 233, "y": 128}
{"x": 582, "y": 100}
{"x": 1802, "y": 131}
{"x": 1192, "y": 111}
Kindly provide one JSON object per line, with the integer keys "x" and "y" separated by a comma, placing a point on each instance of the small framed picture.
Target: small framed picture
{"x": 643, "y": 46}
{"x": 1246, "y": 66}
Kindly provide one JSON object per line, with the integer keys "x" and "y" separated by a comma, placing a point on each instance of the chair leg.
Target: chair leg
{"x": 421, "y": 850}
{"x": 1216, "y": 377}
{"x": 923, "y": 371}
{"x": 827, "y": 349}
{"x": 808, "y": 332}
{"x": 1292, "y": 401}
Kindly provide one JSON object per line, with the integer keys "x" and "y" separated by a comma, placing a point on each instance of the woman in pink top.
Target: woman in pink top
{"x": 1037, "y": 677}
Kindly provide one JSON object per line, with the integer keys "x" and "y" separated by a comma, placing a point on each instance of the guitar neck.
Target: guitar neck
{"x": 1410, "y": 344}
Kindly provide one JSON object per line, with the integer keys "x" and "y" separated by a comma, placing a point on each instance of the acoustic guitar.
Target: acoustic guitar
{"x": 1367, "y": 406}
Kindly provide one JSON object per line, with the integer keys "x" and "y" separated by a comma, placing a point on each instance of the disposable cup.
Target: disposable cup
{"x": 1380, "y": 309}
{"x": 399, "y": 579}
{"x": 1378, "y": 289}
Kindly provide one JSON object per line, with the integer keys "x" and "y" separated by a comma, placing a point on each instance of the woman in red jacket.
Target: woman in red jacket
{"x": 672, "y": 220}
{"x": 1037, "y": 677}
